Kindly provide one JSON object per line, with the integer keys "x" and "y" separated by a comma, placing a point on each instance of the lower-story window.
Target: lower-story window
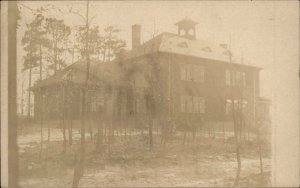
{"x": 199, "y": 105}
{"x": 95, "y": 100}
{"x": 140, "y": 104}
{"x": 236, "y": 104}
{"x": 192, "y": 104}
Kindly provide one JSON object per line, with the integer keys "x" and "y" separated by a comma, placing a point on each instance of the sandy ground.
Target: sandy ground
{"x": 200, "y": 163}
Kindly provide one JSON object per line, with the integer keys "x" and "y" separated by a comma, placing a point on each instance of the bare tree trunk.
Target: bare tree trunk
{"x": 150, "y": 133}
{"x": 105, "y": 134}
{"x": 125, "y": 128}
{"x": 22, "y": 98}
{"x": 48, "y": 145}
{"x": 79, "y": 168}
{"x": 99, "y": 145}
{"x": 237, "y": 149}
{"x": 194, "y": 132}
{"x": 224, "y": 136}
{"x": 42, "y": 102}
{"x": 41, "y": 63}
{"x": 64, "y": 121}
{"x": 55, "y": 51}
{"x": 184, "y": 137}
{"x": 260, "y": 156}
{"x": 237, "y": 178}
{"x": 109, "y": 137}
{"x": 90, "y": 120}
{"x": 70, "y": 130}
{"x": 29, "y": 92}
{"x": 41, "y": 118}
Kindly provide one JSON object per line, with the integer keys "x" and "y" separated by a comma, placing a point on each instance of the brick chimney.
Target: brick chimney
{"x": 136, "y": 36}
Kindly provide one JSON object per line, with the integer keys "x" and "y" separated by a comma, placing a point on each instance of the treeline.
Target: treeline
{"x": 50, "y": 45}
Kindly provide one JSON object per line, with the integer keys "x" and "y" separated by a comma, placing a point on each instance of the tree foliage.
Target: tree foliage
{"x": 58, "y": 32}
{"x": 33, "y": 38}
{"x": 104, "y": 47}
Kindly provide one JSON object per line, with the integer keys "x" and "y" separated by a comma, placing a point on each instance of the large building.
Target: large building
{"x": 172, "y": 78}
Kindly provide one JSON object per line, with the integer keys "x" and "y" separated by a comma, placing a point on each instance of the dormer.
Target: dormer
{"x": 187, "y": 28}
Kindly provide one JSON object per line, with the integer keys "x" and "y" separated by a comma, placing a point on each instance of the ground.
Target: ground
{"x": 203, "y": 161}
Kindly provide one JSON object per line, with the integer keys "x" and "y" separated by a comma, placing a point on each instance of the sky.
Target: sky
{"x": 259, "y": 31}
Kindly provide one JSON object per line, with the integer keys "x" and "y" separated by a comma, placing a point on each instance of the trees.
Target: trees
{"x": 94, "y": 39}
{"x": 102, "y": 47}
{"x": 33, "y": 41}
{"x": 58, "y": 32}
{"x": 112, "y": 45}
{"x": 79, "y": 168}
{"x": 237, "y": 106}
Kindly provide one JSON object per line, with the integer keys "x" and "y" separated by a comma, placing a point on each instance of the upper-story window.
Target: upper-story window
{"x": 192, "y": 73}
{"x": 234, "y": 77}
{"x": 228, "y": 78}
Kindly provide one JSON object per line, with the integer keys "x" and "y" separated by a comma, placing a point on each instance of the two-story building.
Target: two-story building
{"x": 193, "y": 82}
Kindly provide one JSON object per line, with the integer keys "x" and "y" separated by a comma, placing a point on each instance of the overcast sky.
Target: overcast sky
{"x": 265, "y": 33}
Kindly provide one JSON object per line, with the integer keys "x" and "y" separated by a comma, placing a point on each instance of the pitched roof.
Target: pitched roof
{"x": 100, "y": 72}
{"x": 186, "y": 21}
{"x": 175, "y": 44}
{"x": 172, "y": 43}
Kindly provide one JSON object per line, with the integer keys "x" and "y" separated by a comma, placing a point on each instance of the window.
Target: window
{"x": 183, "y": 100}
{"x": 238, "y": 105}
{"x": 140, "y": 104}
{"x": 189, "y": 74}
{"x": 244, "y": 79}
{"x": 199, "y": 74}
{"x": 196, "y": 105}
{"x": 192, "y": 104}
{"x": 124, "y": 106}
{"x": 235, "y": 77}
{"x": 189, "y": 108}
{"x": 94, "y": 100}
{"x": 227, "y": 77}
{"x": 183, "y": 73}
{"x": 192, "y": 73}
{"x": 202, "y": 106}
{"x": 228, "y": 108}
{"x": 238, "y": 77}
{"x": 199, "y": 105}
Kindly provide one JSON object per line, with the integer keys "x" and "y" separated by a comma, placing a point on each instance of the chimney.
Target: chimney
{"x": 136, "y": 36}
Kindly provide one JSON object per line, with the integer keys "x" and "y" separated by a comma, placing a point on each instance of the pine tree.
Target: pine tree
{"x": 32, "y": 41}
{"x": 58, "y": 33}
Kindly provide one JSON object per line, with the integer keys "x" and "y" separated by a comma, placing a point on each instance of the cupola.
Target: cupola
{"x": 187, "y": 28}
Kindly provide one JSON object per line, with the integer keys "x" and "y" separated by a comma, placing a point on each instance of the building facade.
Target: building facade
{"x": 172, "y": 78}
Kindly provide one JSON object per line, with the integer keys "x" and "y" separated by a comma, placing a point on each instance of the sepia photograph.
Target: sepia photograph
{"x": 149, "y": 94}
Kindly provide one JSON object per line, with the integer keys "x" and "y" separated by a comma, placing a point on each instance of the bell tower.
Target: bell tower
{"x": 187, "y": 28}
